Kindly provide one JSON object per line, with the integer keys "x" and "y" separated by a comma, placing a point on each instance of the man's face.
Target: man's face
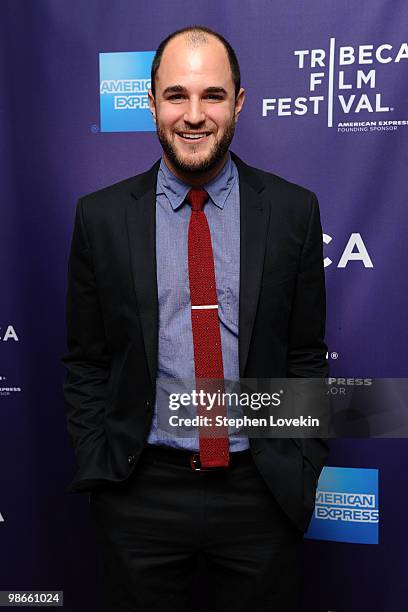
{"x": 195, "y": 108}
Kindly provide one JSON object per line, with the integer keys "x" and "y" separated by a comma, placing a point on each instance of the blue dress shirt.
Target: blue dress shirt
{"x": 175, "y": 347}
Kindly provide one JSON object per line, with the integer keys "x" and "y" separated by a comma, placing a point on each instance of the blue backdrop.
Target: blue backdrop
{"x": 324, "y": 81}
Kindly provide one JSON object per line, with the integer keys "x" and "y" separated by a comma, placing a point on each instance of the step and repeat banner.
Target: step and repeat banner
{"x": 326, "y": 107}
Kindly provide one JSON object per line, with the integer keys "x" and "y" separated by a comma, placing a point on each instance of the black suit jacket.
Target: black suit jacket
{"x": 112, "y": 325}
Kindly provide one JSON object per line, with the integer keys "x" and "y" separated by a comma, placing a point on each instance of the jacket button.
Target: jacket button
{"x": 131, "y": 459}
{"x": 148, "y": 404}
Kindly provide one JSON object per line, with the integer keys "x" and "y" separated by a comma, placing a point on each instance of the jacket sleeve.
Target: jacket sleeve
{"x": 88, "y": 360}
{"x": 307, "y": 348}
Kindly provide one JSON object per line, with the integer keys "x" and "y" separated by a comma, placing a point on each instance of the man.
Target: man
{"x": 201, "y": 267}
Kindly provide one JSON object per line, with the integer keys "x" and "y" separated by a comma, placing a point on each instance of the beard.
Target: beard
{"x": 210, "y": 161}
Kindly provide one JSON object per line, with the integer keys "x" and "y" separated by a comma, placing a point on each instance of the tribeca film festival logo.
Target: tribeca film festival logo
{"x": 344, "y": 81}
{"x": 346, "y": 507}
{"x": 124, "y": 80}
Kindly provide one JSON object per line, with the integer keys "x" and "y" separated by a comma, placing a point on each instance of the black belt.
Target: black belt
{"x": 190, "y": 458}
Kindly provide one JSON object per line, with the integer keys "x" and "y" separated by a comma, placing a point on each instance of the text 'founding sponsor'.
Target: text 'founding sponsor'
{"x": 328, "y": 74}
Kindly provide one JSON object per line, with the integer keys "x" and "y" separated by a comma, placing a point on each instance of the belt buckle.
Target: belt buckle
{"x": 196, "y": 466}
{"x": 196, "y": 463}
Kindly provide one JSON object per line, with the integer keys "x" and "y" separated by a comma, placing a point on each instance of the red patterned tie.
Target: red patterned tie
{"x": 214, "y": 448}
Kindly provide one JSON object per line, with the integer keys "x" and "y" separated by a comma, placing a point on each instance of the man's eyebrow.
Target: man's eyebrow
{"x": 219, "y": 90}
{"x": 174, "y": 89}
{"x": 181, "y": 89}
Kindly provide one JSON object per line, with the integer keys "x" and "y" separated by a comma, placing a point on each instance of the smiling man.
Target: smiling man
{"x": 200, "y": 268}
{"x": 195, "y": 103}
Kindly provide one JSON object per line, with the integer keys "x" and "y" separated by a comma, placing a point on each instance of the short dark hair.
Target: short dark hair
{"x": 233, "y": 61}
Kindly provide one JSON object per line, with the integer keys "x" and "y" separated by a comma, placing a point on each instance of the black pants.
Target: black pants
{"x": 153, "y": 527}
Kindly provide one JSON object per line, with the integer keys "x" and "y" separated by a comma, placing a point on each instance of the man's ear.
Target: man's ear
{"x": 239, "y": 102}
{"x": 152, "y": 104}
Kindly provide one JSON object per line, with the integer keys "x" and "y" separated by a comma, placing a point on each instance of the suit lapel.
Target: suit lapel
{"x": 141, "y": 222}
{"x": 254, "y": 220}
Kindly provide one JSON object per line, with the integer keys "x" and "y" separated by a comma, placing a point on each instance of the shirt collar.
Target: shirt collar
{"x": 176, "y": 190}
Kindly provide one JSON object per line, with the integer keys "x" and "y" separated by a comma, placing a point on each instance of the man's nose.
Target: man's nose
{"x": 195, "y": 113}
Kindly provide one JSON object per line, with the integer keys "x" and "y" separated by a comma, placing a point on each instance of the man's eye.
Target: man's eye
{"x": 182, "y": 96}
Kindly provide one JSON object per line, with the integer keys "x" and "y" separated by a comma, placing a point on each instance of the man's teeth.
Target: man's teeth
{"x": 193, "y": 136}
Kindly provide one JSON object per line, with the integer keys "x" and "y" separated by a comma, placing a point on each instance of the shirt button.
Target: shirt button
{"x": 131, "y": 459}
